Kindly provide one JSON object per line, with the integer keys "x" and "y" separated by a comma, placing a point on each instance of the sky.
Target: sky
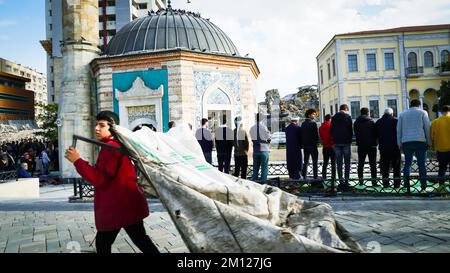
{"x": 284, "y": 37}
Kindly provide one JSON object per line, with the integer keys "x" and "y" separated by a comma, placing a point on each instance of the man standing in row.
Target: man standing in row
{"x": 294, "y": 148}
{"x": 261, "y": 147}
{"x": 241, "y": 147}
{"x": 440, "y": 135}
{"x": 224, "y": 146}
{"x": 204, "y": 138}
{"x": 390, "y": 155}
{"x": 310, "y": 139}
{"x": 366, "y": 140}
{"x": 413, "y": 136}
{"x": 342, "y": 133}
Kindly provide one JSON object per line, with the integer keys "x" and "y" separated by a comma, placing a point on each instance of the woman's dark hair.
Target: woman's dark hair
{"x": 204, "y": 121}
{"x": 109, "y": 116}
{"x": 327, "y": 117}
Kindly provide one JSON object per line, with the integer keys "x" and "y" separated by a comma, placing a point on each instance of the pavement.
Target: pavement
{"x": 51, "y": 224}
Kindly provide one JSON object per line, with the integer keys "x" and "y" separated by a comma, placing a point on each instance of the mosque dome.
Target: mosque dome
{"x": 169, "y": 29}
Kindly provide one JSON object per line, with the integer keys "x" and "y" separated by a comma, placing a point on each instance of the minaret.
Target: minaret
{"x": 79, "y": 48}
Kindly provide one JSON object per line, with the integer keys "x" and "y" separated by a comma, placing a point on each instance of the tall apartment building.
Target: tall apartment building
{"x": 37, "y": 83}
{"x": 384, "y": 68}
{"x": 113, "y": 15}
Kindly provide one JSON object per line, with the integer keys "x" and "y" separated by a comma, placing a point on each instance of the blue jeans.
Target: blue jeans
{"x": 419, "y": 149}
{"x": 343, "y": 154}
{"x": 260, "y": 160}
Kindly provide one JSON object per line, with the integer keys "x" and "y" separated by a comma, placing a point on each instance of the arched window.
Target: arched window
{"x": 412, "y": 59}
{"x": 445, "y": 56}
{"x": 428, "y": 59}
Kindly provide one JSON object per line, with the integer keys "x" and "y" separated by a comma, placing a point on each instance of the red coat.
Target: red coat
{"x": 118, "y": 199}
{"x": 325, "y": 134}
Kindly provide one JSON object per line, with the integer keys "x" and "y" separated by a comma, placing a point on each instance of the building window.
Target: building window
{"x": 334, "y": 67}
{"x": 412, "y": 59}
{"x": 392, "y": 103}
{"x": 445, "y": 56}
{"x": 389, "y": 61}
{"x": 53, "y": 84}
{"x": 50, "y": 12}
{"x": 329, "y": 70}
{"x": 50, "y": 26}
{"x": 374, "y": 109}
{"x": 355, "y": 107}
{"x": 371, "y": 62}
{"x": 336, "y": 108}
{"x": 324, "y": 112}
{"x": 321, "y": 76}
{"x": 53, "y": 98}
{"x": 51, "y": 69}
{"x": 331, "y": 109}
{"x": 428, "y": 59}
{"x": 22, "y": 73}
{"x": 8, "y": 68}
{"x": 352, "y": 63}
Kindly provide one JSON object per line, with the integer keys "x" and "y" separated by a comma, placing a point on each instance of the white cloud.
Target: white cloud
{"x": 285, "y": 37}
{"x": 6, "y": 23}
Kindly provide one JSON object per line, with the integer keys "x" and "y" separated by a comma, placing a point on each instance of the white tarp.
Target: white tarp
{"x": 216, "y": 212}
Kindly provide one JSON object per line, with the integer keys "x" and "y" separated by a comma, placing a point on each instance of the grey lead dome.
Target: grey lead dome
{"x": 170, "y": 29}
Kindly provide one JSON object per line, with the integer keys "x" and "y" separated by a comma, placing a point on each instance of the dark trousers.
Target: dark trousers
{"x": 208, "y": 157}
{"x": 224, "y": 159}
{"x": 363, "y": 152}
{"x": 390, "y": 159}
{"x": 314, "y": 153}
{"x": 444, "y": 161}
{"x": 240, "y": 166}
{"x": 343, "y": 155}
{"x": 328, "y": 155}
{"x": 105, "y": 239}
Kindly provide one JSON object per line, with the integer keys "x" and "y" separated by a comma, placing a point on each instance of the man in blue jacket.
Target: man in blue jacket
{"x": 342, "y": 133}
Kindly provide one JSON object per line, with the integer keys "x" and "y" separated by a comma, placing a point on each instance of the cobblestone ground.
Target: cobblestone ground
{"x": 52, "y": 225}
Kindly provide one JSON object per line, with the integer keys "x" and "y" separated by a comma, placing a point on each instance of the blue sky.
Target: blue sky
{"x": 283, "y": 37}
{"x": 22, "y": 26}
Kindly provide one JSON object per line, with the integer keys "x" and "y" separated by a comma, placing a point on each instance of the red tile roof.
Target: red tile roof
{"x": 399, "y": 29}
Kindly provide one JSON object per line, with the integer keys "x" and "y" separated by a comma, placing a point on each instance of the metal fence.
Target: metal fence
{"x": 8, "y": 176}
{"x": 278, "y": 176}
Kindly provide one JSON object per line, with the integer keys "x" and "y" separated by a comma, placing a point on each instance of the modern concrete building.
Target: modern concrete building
{"x": 37, "y": 81}
{"x": 16, "y": 102}
{"x": 384, "y": 68}
{"x": 113, "y": 15}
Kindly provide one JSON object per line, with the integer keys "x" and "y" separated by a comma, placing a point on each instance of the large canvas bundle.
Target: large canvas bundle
{"x": 216, "y": 212}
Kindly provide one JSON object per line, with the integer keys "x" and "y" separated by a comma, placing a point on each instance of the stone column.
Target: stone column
{"x": 79, "y": 48}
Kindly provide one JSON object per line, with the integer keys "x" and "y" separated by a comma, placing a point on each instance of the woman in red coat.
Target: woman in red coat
{"x": 118, "y": 200}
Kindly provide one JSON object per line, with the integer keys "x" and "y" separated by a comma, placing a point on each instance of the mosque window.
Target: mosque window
{"x": 334, "y": 67}
{"x": 354, "y": 108}
{"x": 329, "y": 71}
{"x": 428, "y": 59}
{"x": 321, "y": 76}
{"x": 352, "y": 63}
{"x": 412, "y": 60}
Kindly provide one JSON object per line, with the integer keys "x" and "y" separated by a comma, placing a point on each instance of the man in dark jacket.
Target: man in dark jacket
{"x": 342, "y": 133}
{"x": 310, "y": 138}
{"x": 366, "y": 140}
{"x": 224, "y": 146}
{"x": 241, "y": 146}
{"x": 204, "y": 138}
{"x": 294, "y": 148}
{"x": 389, "y": 151}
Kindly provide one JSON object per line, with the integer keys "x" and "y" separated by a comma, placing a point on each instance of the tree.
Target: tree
{"x": 48, "y": 119}
{"x": 444, "y": 94}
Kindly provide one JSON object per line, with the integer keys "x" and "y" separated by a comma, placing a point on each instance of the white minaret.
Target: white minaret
{"x": 79, "y": 48}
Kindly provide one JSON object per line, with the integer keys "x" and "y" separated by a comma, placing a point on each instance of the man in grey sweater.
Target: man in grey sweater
{"x": 413, "y": 137}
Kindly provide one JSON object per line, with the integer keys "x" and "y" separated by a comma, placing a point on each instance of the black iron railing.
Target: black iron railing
{"x": 278, "y": 176}
{"x": 414, "y": 70}
{"x": 8, "y": 176}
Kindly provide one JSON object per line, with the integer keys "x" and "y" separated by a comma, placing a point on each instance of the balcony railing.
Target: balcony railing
{"x": 414, "y": 70}
{"x": 444, "y": 68}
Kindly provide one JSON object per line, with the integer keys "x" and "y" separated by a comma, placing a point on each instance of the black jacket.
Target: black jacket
{"x": 387, "y": 133}
{"x": 224, "y": 140}
{"x": 365, "y": 132}
{"x": 342, "y": 128}
{"x": 309, "y": 133}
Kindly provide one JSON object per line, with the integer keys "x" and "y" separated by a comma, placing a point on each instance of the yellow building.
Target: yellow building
{"x": 384, "y": 68}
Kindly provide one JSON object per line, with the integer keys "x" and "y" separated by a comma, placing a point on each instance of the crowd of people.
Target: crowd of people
{"x": 411, "y": 133}
{"x": 22, "y": 156}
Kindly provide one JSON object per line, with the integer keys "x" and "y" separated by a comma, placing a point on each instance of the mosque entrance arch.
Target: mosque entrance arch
{"x": 217, "y": 105}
